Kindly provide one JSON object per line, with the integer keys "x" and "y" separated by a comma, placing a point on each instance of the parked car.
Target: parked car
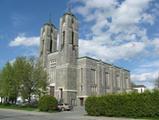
{"x": 33, "y": 103}
{"x": 64, "y": 107}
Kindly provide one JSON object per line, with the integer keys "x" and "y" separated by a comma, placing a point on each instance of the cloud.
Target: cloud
{"x": 28, "y": 46}
{"x": 149, "y": 76}
{"x": 146, "y": 73}
{"x": 152, "y": 64}
{"x": 146, "y": 78}
{"x": 118, "y": 31}
{"x": 22, "y": 40}
{"x": 148, "y": 18}
{"x": 111, "y": 53}
{"x": 155, "y": 43}
{"x": 115, "y": 28}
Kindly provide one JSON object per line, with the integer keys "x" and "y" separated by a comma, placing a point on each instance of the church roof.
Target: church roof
{"x": 139, "y": 86}
{"x": 102, "y": 62}
{"x": 49, "y": 23}
{"x": 70, "y": 13}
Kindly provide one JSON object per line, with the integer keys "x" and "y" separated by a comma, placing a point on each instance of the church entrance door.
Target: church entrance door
{"x": 52, "y": 89}
{"x": 81, "y": 101}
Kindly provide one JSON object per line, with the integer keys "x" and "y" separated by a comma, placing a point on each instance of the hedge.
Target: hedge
{"x": 47, "y": 103}
{"x": 124, "y": 105}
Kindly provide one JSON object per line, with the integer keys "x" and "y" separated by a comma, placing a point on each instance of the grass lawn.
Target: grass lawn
{"x": 27, "y": 108}
{"x": 147, "y": 118}
{"x": 153, "y": 119}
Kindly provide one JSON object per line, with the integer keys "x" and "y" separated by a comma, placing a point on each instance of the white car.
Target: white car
{"x": 64, "y": 107}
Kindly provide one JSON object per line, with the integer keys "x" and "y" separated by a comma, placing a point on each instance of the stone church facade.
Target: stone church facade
{"x": 73, "y": 78}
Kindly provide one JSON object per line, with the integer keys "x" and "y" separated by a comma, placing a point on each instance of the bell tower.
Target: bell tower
{"x": 67, "y": 63}
{"x": 48, "y": 41}
{"x": 68, "y": 44}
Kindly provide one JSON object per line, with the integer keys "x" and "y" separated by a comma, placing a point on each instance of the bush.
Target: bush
{"x": 124, "y": 105}
{"x": 47, "y": 103}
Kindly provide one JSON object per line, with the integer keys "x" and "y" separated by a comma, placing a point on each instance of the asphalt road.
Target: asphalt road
{"x": 77, "y": 114}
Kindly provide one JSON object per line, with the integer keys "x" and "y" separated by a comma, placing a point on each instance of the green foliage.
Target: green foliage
{"x": 124, "y": 105}
{"x": 7, "y": 88}
{"x": 156, "y": 82}
{"x": 39, "y": 80}
{"x": 1, "y": 84}
{"x": 23, "y": 71}
{"x": 47, "y": 103}
{"x": 33, "y": 79}
{"x": 25, "y": 77}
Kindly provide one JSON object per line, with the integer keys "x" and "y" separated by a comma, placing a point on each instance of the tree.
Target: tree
{"x": 33, "y": 79}
{"x": 23, "y": 75}
{"x": 8, "y": 90}
{"x": 20, "y": 73}
{"x": 157, "y": 82}
{"x": 1, "y": 86}
{"x": 25, "y": 78}
{"x": 47, "y": 103}
{"x": 39, "y": 79}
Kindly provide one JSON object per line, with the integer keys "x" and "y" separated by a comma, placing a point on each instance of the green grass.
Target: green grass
{"x": 153, "y": 119}
{"x": 17, "y": 107}
{"x": 149, "y": 118}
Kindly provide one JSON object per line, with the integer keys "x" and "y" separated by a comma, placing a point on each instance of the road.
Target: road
{"x": 77, "y": 114}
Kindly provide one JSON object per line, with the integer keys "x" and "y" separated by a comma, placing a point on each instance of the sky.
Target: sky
{"x": 121, "y": 32}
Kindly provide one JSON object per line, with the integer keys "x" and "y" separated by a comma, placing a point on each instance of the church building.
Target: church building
{"x": 72, "y": 78}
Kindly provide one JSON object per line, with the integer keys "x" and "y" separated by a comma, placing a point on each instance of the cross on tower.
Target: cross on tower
{"x": 69, "y": 6}
{"x": 50, "y": 18}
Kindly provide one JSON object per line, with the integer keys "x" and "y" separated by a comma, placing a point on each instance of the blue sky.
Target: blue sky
{"x": 121, "y": 32}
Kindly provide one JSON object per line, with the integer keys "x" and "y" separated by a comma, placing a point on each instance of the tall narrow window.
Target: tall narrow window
{"x": 63, "y": 36}
{"x": 72, "y": 37}
{"x": 93, "y": 81}
{"x": 107, "y": 82}
{"x": 61, "y": 93}
{"x": 73, "y": 40}
{"x": 127, "y": 82}
{"x": 42, "y": 47}
{"x": 72, "y": 21}
{"x": 93, "y": 75}
{"x": 81, "y": 75}
{"x": 118, "y": 81}
{"x": 122, "y": 79}
{"x": 72, "y": 24}
{"x": 50, "y": 45}
{"x": 81, "y": 87}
